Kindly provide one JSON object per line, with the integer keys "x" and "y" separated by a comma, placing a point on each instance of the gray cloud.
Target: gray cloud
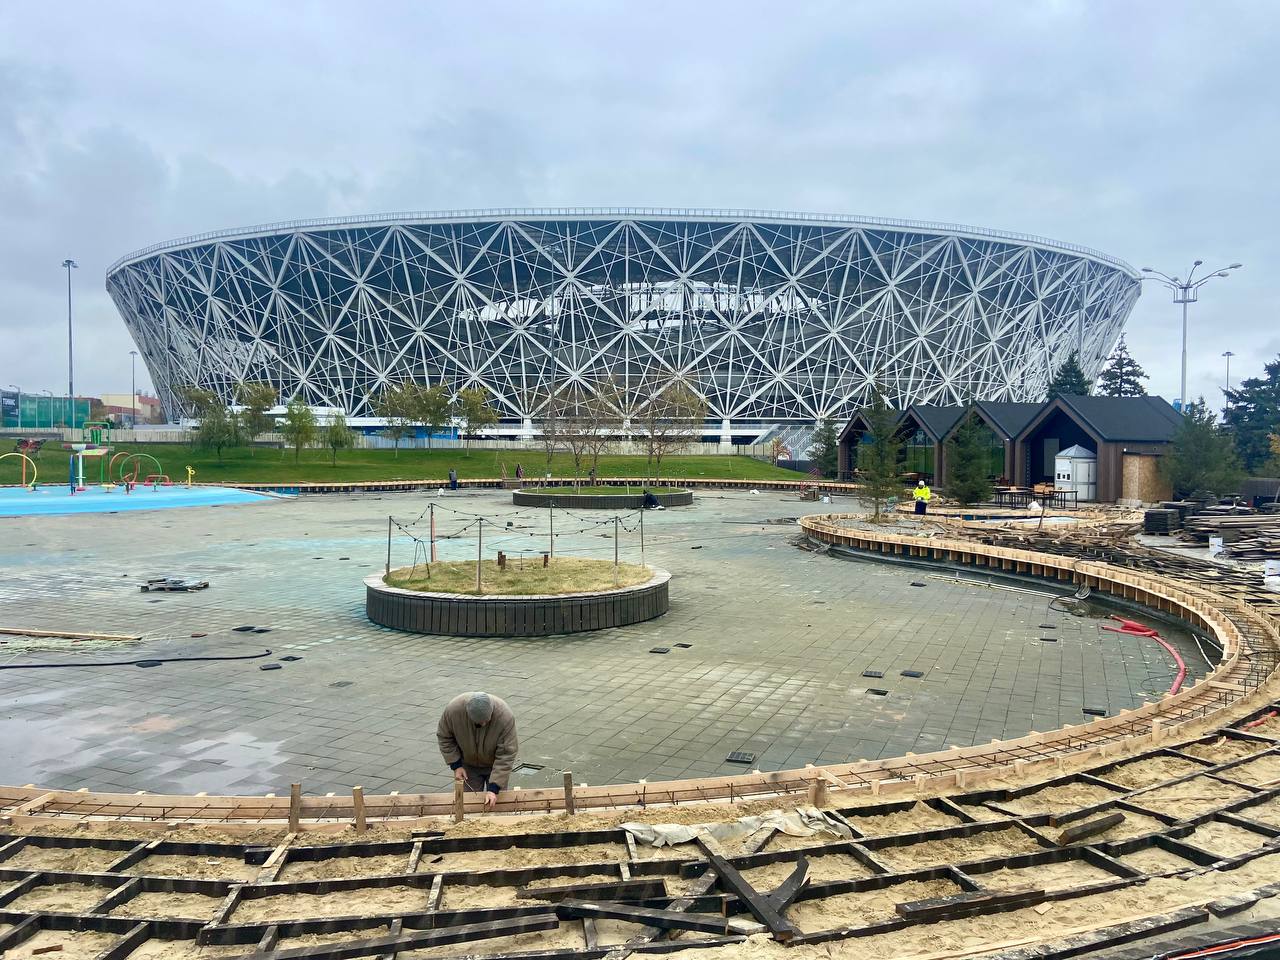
{"x": 1146, "y": 129}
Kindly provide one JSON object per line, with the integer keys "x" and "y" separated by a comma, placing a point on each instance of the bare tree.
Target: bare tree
{"x": 673, "y": 419}
{"x": 603, "y": 412}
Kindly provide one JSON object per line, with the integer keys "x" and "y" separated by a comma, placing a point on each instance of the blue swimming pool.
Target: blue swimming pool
{"x": 52, "y": 500}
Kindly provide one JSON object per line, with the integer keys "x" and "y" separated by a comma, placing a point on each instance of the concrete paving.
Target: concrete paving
{"x": 777, "y": 641}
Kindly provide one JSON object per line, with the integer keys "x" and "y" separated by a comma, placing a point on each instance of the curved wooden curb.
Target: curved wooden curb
{"x": 1242, "y": 683}
{"x": 544, "y": 615}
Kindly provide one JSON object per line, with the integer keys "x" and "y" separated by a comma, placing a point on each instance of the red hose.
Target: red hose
{"x": 1135, "y": 629}
{"x": 1270, "y": 715}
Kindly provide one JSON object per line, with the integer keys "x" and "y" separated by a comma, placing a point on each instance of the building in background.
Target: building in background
{"x": 775, "y": 319}
{"x": 121, "y": 408}
{"x": 36, "y": 411}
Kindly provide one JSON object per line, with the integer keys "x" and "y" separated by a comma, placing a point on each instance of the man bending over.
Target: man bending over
{"x": 477, "y": 735}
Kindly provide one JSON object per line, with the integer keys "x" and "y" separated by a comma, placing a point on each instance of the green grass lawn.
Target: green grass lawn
{"x": 520, "y": 578}
{"x": 266, "y": 465}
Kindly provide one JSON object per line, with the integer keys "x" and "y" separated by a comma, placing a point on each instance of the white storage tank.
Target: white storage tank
{"x": 1076, "y": 468}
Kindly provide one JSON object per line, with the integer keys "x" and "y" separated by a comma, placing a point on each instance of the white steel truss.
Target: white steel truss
{"x": 772, "y": 317}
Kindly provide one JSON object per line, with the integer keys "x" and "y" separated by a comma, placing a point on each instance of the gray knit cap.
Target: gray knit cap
{"x": 479, "y": 707}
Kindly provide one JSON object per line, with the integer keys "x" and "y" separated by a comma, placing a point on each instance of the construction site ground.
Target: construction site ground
{"x": 771, "y": 651}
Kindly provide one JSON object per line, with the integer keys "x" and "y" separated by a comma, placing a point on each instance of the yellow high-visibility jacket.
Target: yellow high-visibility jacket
{"x": 922, "y": 493}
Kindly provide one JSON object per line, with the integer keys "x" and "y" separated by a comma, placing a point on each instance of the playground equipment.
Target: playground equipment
{"x": 25, "y": 460}
{"x": 96, "y": 432}
{"x": 75, "y": 466}
{"x": 191, "y": 472}
{"x": 135, "y": 459}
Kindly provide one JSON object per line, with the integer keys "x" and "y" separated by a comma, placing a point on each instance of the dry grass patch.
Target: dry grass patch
{"x": 527, "y": 577}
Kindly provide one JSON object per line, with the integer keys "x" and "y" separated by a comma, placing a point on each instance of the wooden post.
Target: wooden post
{"x": 357, "y": 802}
{"x": 568, "y": 792}
{"x": 433, "y": 532}
{"x": 459, "y": 802}
{"x": 295, "y": 806}
{"x": 642, "y": 534}
{"x": 615, "y": 551}
{"x": 551, "y": 512}
{"x": 388, "y": 571}
{"x": 479, "y": 550}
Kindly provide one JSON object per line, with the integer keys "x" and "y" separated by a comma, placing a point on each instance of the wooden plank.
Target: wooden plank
{"x": 418, "y": 939}
{"x": 295, "y": 806}
{"x": 944, "y": 908}
{"x": 782, "y": 895}
{"x": 568, "y": 792}
{"x": 1089, "y": 828}
{"x": 643, "y": 889}
{"x": 666, "y": 919}
{"x": 459, "y": 801}
{"x": 764, "y": 911}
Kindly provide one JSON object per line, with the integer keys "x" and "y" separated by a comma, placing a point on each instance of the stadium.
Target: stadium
{"x": 774, "y": 318}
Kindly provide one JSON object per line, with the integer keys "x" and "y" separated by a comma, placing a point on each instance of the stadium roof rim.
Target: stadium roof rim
{"x": 617, "y": 213}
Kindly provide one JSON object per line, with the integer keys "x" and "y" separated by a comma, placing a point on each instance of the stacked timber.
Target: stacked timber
{"x": 1252, "y": 537}
{"x": 1161, "y": 521}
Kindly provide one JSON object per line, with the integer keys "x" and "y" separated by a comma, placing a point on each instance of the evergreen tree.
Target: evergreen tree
{"x": 1122, "y": 376}
{"x": 299, "y": 427}
{"x": 338, "y": 436}
{"x": 1070, "y": 380}
{"x": 968, "y": 463}
{"x": 1253, "y": 414}
{"x": 878, "y": 457}
{"x": 825, "y": 452}
{"x": 1201, "y": 457}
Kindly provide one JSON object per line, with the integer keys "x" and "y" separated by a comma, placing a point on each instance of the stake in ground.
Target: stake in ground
{"x": 521, "y": 577}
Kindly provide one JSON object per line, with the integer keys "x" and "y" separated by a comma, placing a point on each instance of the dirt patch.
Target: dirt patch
{"x": 476, "y": 896}
{"x": 918, "y": 817}
{"x": 197, "y": 867}
{"x": 1069, "y": 796}
{"x": 1223, "y": 749}
{"x": 1153, "y": 770}
{"x": 1190, "y": 798}
{"x": 1133, "y": 825}
{"x": 398, "y": 899}
{"x": 1045, "y": 876}
{"x": 194, "y": 906}
{"x": 64, "y": 859}
{"x": 833, "y": 866}
{"x": 1267, "y": 812}
{"x": 75, "y": 946}
{"x": 865, "y": 908}
{"x": 567, "y": 936}
{"x": 518, "y": 858}
{"x": 1224, "y": 839}
{"x": 1264, "y": 770}
{"x": 564, "y": 881}
{"x": 979, "y": 846}
{"x": 982, "y": 813}
{"x": 1155, "y": 859}
{"x": 612, "y": 932}
{"x": 178, "y": 950}
{"x": 61, "y": 897}
{"x": 337, "y": 868}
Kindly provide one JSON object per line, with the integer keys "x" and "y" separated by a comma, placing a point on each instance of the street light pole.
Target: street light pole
{"x": 133, "y": 386}
{"x": 71, "y": 375}
{"x": 1186, "y": 292}
{"x": 1228, "y": 354}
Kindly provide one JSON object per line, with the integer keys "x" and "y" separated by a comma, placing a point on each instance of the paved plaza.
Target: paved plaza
{"x": 768, "y": 646}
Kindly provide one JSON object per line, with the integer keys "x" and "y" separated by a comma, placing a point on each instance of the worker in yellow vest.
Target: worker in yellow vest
{"x": 922, "y": 493}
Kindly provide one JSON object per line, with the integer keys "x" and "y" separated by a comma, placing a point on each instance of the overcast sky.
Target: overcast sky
{"x": 1146, "y": 130}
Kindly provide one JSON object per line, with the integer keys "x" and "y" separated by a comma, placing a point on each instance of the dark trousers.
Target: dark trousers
{"x": 476, "y": 779}
{"x": 921, "y": 506}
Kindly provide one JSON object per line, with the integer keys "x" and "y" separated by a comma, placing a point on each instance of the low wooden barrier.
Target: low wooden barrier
{"x": 1240, "y": 684}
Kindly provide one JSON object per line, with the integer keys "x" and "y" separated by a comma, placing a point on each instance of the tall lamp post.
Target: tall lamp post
{"x": 1185, "y": 292}
{"x": 19, "y": 389}
{"x": 1228, "y": 354}
{"x": 133, "y": 386}
{"x": 71, "y": 375}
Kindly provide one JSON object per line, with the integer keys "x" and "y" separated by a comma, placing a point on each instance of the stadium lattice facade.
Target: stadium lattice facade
{"x": 771, "y": 317}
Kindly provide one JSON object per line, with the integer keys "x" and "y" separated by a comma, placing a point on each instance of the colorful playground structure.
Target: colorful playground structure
{"x": 118, "y": 469}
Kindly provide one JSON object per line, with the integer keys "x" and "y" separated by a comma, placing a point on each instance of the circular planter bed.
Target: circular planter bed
{"x": 462, "y": 614}
{"x": 598, "y": 498}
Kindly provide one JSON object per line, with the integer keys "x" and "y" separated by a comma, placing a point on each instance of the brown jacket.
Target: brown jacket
{"x": 491, "y": 747}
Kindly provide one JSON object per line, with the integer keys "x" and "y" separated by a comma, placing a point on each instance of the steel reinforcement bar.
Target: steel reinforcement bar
{"x": 1250, "y": 644}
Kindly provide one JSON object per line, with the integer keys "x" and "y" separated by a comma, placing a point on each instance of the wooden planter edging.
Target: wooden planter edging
{"x": 604, "y": 501}
{"x": 497, "y": 483}
{"x": 1240, "y": 685}
{"x": 461, "y": 615}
